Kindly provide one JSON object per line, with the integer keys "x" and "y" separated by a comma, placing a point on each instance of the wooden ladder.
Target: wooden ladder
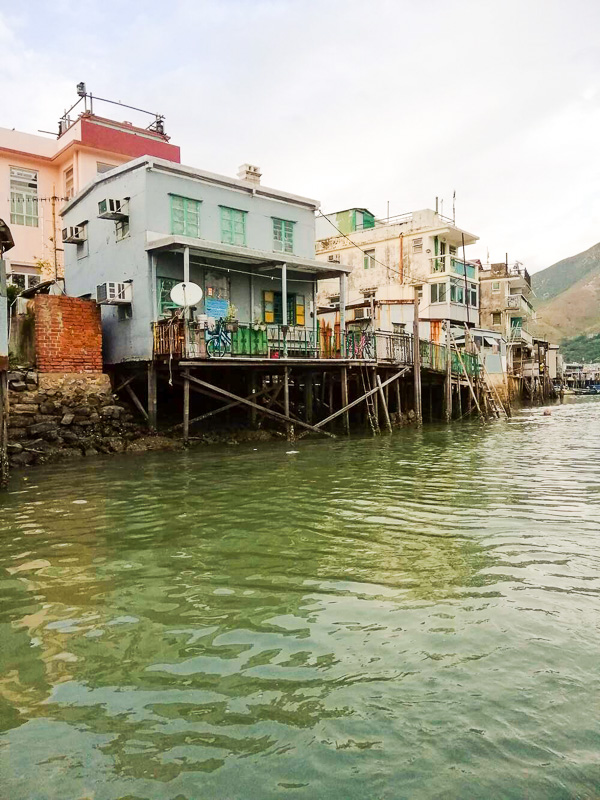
{"x": 492, "y": 397}
{"x": 366, "y": 382}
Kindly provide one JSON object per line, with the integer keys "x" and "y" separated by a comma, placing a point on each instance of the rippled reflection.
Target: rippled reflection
{"x": 412, "y": 616}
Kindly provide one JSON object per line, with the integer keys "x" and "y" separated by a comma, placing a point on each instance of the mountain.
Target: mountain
{"x": 568, "y": 296}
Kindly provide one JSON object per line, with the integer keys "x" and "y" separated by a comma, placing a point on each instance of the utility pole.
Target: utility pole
{"x": 417, "y": 361}
{"x": 448, "y": 380}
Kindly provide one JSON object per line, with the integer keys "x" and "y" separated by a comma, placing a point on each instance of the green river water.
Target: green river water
{"x": 412, "y": 616}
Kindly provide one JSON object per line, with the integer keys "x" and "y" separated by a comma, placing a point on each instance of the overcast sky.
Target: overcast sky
{"x": 351, "y": 103}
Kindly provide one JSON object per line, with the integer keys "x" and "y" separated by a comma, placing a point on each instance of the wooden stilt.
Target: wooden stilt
{"x": 137, "y": 403}
{"x": 345, "y": 406}
{"x": 375, "y": 398}
{"x": 330, "y": 387}
{"x": 417, "y": 363}
{"x": 253, "y": 388}
{"x": 261, "y": 409}
{"x": 459, "y": 397}
{"x": 216, "y": 411}
{"x": 286, "y": 402}
{"x": 152, "y": 401}
{"x": 358, "y": 400}
{"x": 384, "y": 405}
{"x": 3, "y": 424}
{"x": 398, "y": 400}
{"x": 448, "y": 378}
{"x": 186, "y": 408}
{"x": 308, "y": 396}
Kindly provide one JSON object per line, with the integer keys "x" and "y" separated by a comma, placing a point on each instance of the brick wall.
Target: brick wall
{"x": 68, "y": 334}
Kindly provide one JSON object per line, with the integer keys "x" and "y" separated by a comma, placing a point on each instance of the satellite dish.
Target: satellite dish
{"x": 186, "y": 294}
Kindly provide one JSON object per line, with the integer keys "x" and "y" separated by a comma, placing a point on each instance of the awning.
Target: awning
{"x": 246, "y": 255}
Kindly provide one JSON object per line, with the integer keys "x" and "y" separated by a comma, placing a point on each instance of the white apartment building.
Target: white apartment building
{"x": 392, "y": 259}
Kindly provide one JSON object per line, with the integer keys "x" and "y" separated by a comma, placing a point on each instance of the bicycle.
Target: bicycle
{"x": 361, "y": 348}
{"x": 218, "y": 340}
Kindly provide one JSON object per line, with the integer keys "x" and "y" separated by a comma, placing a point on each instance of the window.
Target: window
{"x": 419, "y": 291}
{"x": 185, "y": 216}
{"x": 417, "y": 245}
{"x": 283, "y": 236}
{"x": 69, "y": 183}
{"x": 24, "y": 197}
{"x": 273, "y": 308}
{"x": 452, "y": 250}
{"x": 398, "y": 327}
{"x": 457, "y": 292}
{"x": 438, "y": 292}
{"x": 233, "y": 226}
{"x": 472, "y": 295}
{"x": 101, "y": 168}
{"x": 23, "y": 280}
{"x": 165, "y": 304}
{"x": 495, "y": 286}
{"x": 122, "y": 229}
{"x": 369, "y": 259}
{"x": 497, "y": 318}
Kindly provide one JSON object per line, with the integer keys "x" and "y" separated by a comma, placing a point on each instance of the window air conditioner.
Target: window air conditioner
{"x": 362, "y": 313}
{"x": 334, "y": 257}
{"x": 113, "y": 209}
{"x": 74, "y": 235}
{"x": 112, "y": 294}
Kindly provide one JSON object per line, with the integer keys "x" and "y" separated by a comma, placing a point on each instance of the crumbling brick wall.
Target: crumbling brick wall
{"x": 68, "y": 334}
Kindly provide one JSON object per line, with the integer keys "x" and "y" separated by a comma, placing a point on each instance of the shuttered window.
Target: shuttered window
{"x": 233, "y": 226}
{"x": 273, "y": 308}
{"x": 269, "y": 307}
{"x": 300, "y": 316}
{"x": 185, "y": 216}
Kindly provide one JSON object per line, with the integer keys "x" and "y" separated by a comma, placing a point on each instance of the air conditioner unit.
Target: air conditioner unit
{"x": 334, "y": 257}
{"x": 113, "y": 294}
{"x": 113, "y": 209}
{"x": 362, "y": 313}
{"x": 74, "y": 235}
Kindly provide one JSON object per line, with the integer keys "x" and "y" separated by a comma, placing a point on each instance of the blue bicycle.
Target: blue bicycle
{"x": 218, "y": 340}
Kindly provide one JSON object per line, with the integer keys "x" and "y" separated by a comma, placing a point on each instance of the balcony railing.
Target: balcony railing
{"x": 520, "y": 335}
{"x": 179, "y": 339}
{"x": 448, "y": 263}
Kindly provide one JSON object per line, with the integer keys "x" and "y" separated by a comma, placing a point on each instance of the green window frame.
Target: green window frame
{"x": 165, "y": 304}
{"x": 283, "y": 235}
{"x": 185, "y": 216}
{"x": 368, "y": 259}
{"x": 233, "y": 226}
{"x": 273, "y": 308}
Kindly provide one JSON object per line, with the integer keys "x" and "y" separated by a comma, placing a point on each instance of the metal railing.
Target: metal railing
{"x": 449, "y": 263}
{"x": 179, "y": 339}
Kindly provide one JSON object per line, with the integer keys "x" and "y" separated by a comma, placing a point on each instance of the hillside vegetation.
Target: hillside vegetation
{"x": 568, "y": 297}
{"x": 585, "y": 349}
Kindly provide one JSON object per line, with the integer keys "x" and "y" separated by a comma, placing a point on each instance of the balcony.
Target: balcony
{"x": 520, "y": 335}
{"x": 518, "y": 302}
{"x": 181, "y": 340}
{"x": 450, "y": 264}
{"x": 176, "y": 338}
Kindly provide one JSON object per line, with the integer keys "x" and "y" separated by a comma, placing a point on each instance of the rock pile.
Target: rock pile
{"x": 64, "y": 415}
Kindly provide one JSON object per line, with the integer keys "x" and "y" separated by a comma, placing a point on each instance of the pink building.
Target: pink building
{"x": 39, "y": 173}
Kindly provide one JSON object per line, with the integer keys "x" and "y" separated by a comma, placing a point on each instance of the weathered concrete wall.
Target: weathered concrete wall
{"x": 68, "y": 334}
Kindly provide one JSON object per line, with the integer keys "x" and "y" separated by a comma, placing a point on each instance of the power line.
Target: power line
{"x": 364, "y": 252}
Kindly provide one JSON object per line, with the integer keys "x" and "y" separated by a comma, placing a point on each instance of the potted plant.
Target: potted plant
{"x": 231, "y": 321}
